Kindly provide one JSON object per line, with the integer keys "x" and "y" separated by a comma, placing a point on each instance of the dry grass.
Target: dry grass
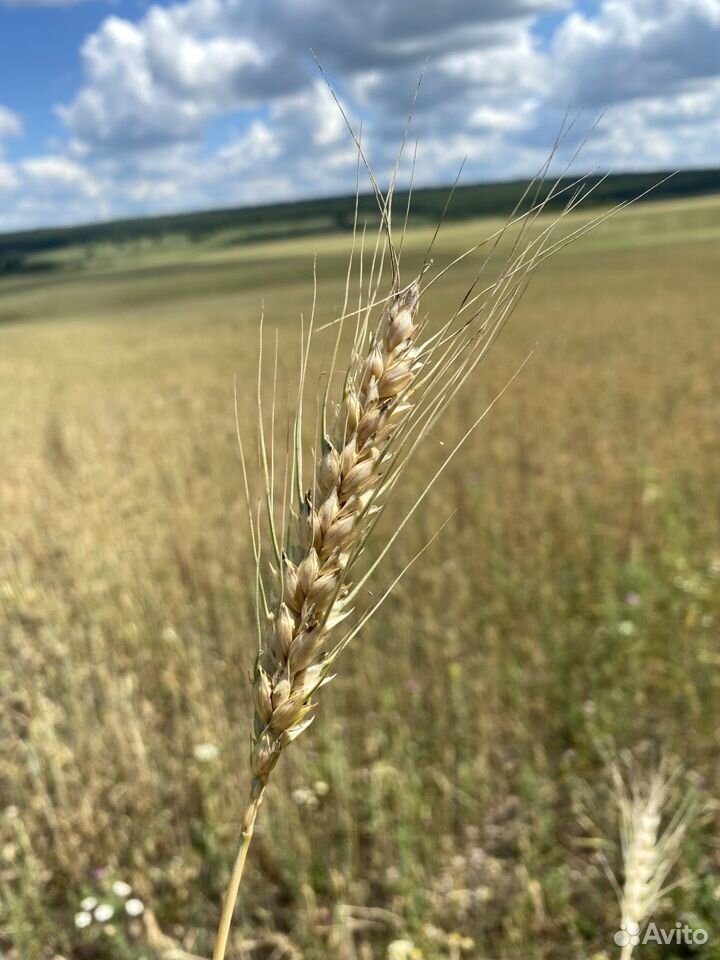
{"x": 437, "y": 808}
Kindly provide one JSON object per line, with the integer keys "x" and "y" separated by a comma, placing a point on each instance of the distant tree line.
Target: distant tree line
{"x": 23, "y": 252}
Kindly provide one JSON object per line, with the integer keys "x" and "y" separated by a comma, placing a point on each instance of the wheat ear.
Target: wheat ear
{"x": 397, "y": 386}
{"x": 649, "y": 852}
{"x": 334, "y": 519}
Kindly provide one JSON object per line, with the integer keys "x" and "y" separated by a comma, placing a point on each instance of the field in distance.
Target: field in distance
{"x": 453, "y": 791}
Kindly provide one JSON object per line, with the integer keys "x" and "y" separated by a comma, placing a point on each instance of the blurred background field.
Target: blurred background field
{"x": 453, "y": 794}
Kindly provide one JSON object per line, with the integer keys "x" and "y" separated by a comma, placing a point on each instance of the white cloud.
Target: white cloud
{"x": 123, "y": 106}
{"x": 52, "y": 172}
{"x": 10, "y": 123}
{"x": 660, "y": 132}
{"x": 10, "y": 126}
{"x": 218, "y": 102}
{"x": 157, "y": 81}
{"x": 636, "y": 48}
{"x": 160, "y": 79}
{"x": 47, "y": 190}
{"x": 8, "y": 178}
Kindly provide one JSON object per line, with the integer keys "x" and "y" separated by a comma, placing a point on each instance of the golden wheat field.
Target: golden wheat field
{"x": 452, "y": 800}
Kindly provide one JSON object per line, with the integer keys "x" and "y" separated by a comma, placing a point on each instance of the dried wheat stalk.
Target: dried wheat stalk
{"x": 399, "y": 380}
{"x": 649, "y": 852}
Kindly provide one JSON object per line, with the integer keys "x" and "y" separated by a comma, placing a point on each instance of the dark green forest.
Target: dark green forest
{"x": 40, "y": 250}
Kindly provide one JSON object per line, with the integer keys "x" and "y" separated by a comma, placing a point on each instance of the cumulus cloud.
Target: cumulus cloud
{"x": 50, "y": 189}
{"x": 217, "y": 102}
{"x": 159, "y": 80}
{"x": 303, "y": 148}
{"x": 51, "y": 172}
{"x": 660, "y": 132}
{"x": 636, "y": 48}
{"x": 124, "y": 105}
{"x": 46, "y": 188}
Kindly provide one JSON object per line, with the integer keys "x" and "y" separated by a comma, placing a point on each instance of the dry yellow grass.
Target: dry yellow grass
{"x": 445, "y": 803}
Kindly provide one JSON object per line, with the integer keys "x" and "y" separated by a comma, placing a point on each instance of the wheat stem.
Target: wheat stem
{"x": 397, "y": 384}
{"x": 221, "y": 940}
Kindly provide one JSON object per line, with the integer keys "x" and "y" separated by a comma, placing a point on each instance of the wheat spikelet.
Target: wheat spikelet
{"x": 649, "y": 851}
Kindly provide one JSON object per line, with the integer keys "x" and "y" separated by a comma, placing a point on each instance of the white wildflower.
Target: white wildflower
{"x": 304, "y": 797}
{"x": 104, "y": 912}
{"x": 134, "y": 907}
{"x": 121, "y": 889}
{"x": 88, "y": 904}
{"x": 205, "y": 752}
{"x": 82, "y": 919}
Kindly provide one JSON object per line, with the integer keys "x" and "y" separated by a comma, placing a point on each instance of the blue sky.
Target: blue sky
{"x": 126, "y": 107}
{"x": 39, "y": 65}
